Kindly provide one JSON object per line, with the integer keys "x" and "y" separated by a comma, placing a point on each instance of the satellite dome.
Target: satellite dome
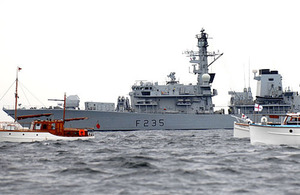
{"x": 72, "y": 102}
{"x": 205, "y": 78}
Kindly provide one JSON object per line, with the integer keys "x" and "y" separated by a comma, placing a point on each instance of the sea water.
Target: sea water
{"x": 150, "y": 162}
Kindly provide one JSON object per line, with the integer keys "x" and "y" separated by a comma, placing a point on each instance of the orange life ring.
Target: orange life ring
{"x": 81, "y": 132}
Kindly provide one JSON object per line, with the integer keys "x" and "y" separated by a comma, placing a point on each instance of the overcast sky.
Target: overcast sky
{"x": 98, "y": 49}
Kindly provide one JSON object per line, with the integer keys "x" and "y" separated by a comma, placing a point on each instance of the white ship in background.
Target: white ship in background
{"x": 270, "y": 95}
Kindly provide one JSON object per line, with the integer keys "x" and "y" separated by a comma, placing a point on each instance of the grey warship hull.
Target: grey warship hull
{"x": 126, "y": 121}
{"x": 169, "y": 106}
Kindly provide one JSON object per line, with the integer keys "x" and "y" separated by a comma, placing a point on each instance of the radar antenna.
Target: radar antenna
{"x": 200, "y": 58}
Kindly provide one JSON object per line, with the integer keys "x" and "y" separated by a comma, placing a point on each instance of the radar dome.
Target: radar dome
{"x": 205, "y": 78}
{"x": 72, "y": 102}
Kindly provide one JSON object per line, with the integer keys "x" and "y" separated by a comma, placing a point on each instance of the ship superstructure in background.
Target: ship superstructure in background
{"x": 153, "y": 106}
{"x": 269, "y": 95}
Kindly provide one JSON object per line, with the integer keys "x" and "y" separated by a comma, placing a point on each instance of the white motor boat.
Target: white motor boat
{"x": 241, "y": 127}
{"x": 286, "y": 133}
{"x": 241, "y": 130}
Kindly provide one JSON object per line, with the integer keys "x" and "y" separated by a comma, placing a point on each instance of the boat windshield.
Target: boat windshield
{"x": 292, "y": 120}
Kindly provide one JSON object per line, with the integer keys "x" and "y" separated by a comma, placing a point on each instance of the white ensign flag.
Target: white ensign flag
{"x": 258, "y": 108}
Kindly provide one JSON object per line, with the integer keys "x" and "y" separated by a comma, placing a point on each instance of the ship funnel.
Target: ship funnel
{"x": 269, "y": 84}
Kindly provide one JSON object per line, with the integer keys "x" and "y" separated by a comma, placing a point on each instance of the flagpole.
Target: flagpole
{"x": 255, "y": 115}
{"x": 257, "y": 108}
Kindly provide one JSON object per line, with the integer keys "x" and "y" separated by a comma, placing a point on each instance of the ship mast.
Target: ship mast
{"x": 64, "y": 100}
{"x": 202, "y": 56}
{"x": 16, "y": 94}
{"x": 199, "y": 58}
{"x": 199, "y": 61}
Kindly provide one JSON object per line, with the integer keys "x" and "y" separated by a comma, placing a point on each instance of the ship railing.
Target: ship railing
{"x": 11, "y": 125}
{"x": 10, "y": 107}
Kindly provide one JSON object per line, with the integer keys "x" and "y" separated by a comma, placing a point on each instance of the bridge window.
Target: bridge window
{"x": 145, "y": 92}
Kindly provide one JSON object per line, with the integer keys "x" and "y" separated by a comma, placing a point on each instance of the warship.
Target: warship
{"x": 172, "y": 106}
{"x": 270, "y": 97}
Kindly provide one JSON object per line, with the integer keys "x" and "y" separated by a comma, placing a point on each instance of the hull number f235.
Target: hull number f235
{"x": 150, "y": 123}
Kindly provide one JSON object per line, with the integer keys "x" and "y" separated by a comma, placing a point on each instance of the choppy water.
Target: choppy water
{"x": 150, "y": 162}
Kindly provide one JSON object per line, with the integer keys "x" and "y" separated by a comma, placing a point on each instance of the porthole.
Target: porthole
{"x": 291, "y": 130}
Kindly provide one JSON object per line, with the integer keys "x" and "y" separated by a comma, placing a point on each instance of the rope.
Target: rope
{"x": 7, "y": 90}
{"x": 31, "y": 94}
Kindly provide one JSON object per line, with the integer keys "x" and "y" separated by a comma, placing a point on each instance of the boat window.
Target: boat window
{"x": 271, "y": 79}
{"x": 44, "y": 126}
{"x": 53, "y": 126}
{"x": 38, "y": 126}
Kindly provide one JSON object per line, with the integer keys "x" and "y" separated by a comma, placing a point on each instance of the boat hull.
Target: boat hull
{"x": 241, "y": 130}
{"x": 275, "y": 134}
{"x": 33, "y": 136}
{"x": 122, "y": 121}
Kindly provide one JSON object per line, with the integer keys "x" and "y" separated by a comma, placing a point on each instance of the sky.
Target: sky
{"x": 98, "y": 49}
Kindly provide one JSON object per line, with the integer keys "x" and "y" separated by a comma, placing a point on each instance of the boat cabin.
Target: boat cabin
{"x": 56, "y": 127}
{"x": 292, "y": 119}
